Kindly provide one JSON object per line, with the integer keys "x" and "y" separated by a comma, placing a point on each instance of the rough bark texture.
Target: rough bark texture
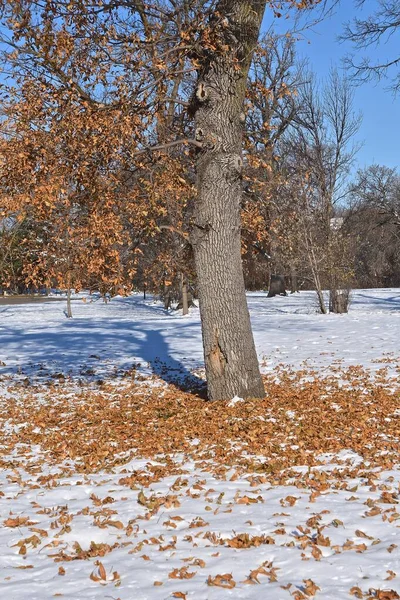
{"x": 321, "y": 300}
{"x": 229, "y": 351}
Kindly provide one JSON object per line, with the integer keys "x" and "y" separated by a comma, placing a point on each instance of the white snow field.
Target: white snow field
{"x": 300, "y": 500}
{"x": 128, "y": 331}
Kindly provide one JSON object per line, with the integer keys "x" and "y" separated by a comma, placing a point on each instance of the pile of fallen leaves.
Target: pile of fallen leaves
{"x": 300, "y": 418}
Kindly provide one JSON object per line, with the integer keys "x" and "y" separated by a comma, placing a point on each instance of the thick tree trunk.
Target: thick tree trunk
{"x": 229, "y": 351}
{"x": 339, "y": 301}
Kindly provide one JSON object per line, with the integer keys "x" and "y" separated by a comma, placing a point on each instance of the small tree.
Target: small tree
{"x": 322, "y": 152}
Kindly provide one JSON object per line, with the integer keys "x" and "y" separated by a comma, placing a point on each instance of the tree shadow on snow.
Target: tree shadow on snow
{"x": 391, "y": 302}
{"x": 92, "y": 349}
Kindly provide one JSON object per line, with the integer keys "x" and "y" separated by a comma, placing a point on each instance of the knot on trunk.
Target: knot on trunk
{"x": 233, "y": 165}
{"x": 202, "y": 93}
{"x": 199, "y": 134}
{"x": 236, "y": 163}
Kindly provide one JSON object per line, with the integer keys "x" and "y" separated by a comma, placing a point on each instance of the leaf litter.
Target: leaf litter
{"x": 141, "y": 490}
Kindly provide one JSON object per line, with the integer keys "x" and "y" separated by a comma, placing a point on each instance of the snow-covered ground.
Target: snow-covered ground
{"x": 116, "y": 485}
{"x": 127, "y": 331}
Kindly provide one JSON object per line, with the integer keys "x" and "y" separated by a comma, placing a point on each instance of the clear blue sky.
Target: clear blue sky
{"x": 380, "y": 128}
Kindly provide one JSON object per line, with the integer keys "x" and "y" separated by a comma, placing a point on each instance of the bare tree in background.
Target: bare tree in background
{"x": 373, "y": 220}
{"x": 322, "y": 151}
{"x": 378, "y": 187}
{"x": 272, "y": 105}
{"x": 380, "y": 26}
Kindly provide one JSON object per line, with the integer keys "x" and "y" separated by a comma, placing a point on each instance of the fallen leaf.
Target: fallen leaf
{"x": 223, "y": 581}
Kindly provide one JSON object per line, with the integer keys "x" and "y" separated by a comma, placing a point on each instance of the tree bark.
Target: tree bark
{"x": 229, "y": 352}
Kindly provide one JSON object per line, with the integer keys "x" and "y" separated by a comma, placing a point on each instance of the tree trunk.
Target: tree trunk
{"x": 314, "y": 265}
{"x": 321, "y": 301}
{"x": 294, "y": 287}
{"x": 185, "y": 301}
{"x": 339, "y": 301}
{"x": 69, "y": 309}
{"x": 167, "y": 299}
{"x": 229, "y": 352}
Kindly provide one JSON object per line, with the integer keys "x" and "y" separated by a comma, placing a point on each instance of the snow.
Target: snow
{"x": 172, "y": 534}
{"x": 127, "y": 331}
{"x": 235, "y": 400}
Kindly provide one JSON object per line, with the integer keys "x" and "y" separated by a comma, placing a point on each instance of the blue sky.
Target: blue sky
{"x": 380, "y": 128}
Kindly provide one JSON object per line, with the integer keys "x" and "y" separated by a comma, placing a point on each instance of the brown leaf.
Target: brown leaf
{"x": 360, "y": 533}
{"x": 310, "y": 587}
{"x": 289, "y": 501}
{"x": 386, "y": 594}
{"x": 112, "y": 523}
{"x": 17, "y": 522}
{"x": 102, "y": 571}
{"x": 316, "y": 553}
{"x": 224, "y": 581}
{"x": 355, "y": 591}
{"x": 182, "y": 573}
{"x": 322, "y": 540}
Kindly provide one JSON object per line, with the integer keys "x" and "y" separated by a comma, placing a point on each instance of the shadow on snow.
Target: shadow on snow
{"x": 90, "y": 349}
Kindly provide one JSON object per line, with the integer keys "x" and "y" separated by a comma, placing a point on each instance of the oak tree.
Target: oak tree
{"x": 128, "y": 66}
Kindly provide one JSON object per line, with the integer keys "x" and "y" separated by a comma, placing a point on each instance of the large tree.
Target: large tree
{"x": 139, "y": 60}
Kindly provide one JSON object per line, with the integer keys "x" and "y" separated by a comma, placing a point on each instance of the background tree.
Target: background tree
{"x": 373, "y": 221}
{"x": 378, "y": 187}
{"x": 12, "y": 259}
{"x": 380, "y": 26}
{"x": 321, "y": 151}
{"x": 272, "y": 105}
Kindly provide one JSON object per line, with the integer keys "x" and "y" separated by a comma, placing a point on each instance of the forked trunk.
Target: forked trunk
{"x": 229, "y": 352}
